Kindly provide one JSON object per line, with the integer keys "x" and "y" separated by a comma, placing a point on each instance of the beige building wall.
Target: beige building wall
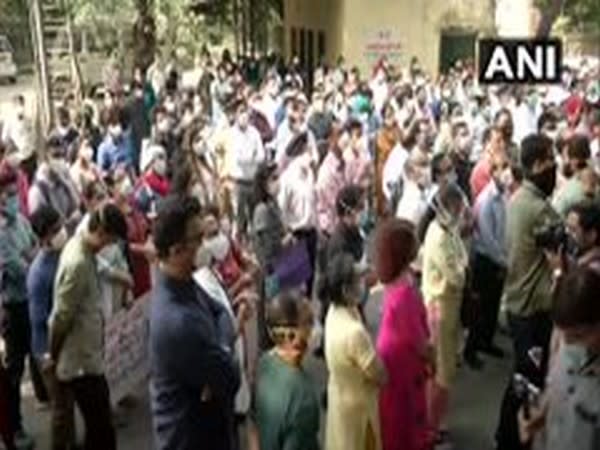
{"x": 363, "y": 30}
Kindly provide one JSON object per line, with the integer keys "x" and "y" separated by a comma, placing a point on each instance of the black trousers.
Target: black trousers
{"x": 488, "y": 282}
{"x": 16, "y": 331}
{"x": 244, "y": 205}
{"x": 531, "y": 340}
{"x": 311, "y": 239}
{"x": 91, "y": 396}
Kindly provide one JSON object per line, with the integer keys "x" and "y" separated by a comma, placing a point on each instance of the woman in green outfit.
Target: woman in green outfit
{"x": 286, "y": 406}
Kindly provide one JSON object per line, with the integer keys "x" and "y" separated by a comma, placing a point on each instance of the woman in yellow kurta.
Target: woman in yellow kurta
{"x": 445, "y": 261}
{"x": 355, "y": 370}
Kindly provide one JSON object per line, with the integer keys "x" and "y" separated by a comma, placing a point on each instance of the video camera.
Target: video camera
{"x": 552, "y": 237}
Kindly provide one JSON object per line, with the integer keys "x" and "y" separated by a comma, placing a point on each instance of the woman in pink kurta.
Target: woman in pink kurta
{"x": 403, "y": 342}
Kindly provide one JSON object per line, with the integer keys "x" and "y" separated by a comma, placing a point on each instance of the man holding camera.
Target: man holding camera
{"x": 567, "y": 416}
{"x": 528, "y": 286}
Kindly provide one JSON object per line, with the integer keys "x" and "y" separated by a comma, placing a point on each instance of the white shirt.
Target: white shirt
{"x": 298, "y": 197}
{"x": 413, "y": 204}
{"x": 19, "y": 132}
{"x": 525, "y": 122}
{"x": 283, "y": 139}
{"x": 247, "y": 153}
{"x": 268, "y": 107}
{"x": 393, "y": 169}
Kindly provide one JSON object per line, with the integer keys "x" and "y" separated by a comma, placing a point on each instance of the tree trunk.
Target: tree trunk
{"x": 144, "y": 35}
{"x": 236, "y": 28}
{"x": 548, "y": 17}
{"x": 45, "y": 110}
{"x": 76, "y": 76}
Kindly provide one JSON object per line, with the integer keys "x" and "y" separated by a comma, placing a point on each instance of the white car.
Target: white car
{"x": 8, "y": 68}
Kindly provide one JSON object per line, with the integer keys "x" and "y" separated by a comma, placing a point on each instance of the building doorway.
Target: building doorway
{"x": 455, "y": 45}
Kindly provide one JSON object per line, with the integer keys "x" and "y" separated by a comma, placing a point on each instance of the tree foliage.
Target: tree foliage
{"x": 578, "y": 14}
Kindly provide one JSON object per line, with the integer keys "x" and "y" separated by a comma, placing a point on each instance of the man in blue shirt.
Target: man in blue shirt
{"x": 489, "y": 263}
{"x": 194, "y": 376}
{"x": 48, "y": 227}
{"x": 115, "y": 149}
{"x": 52, "y": 234}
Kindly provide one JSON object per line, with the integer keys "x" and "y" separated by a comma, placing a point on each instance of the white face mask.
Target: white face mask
{"x": 164, "y": 126}
{"x": 115, "y": 131}
{"x": 87, "y": 153}
{"x": 59, "y": 240}
{"x": 160, "y": 166}
{"x": 58, "y": 164}
{"x": 200, "y": 147}
{"x": 126, "y": 187}
{"x": 197, "y": 192}
{"x": 552, "y": 135}
{"x": 170, "y": 107}
{"x": 218, "y": 246}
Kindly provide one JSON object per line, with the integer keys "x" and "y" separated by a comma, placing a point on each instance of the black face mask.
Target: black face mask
{"x": 545, "y": 181}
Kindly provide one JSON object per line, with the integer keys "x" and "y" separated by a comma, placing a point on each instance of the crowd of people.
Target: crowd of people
{"x": 249, "y": 203}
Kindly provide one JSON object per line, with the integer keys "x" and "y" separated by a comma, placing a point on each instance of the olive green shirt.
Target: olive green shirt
{"x": 77, "y": 313}
{"x": 529, "y": 279}
{"x": 287, "y": 409}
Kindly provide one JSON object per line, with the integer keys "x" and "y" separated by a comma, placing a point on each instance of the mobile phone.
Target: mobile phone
{"x": 527, "y": 392}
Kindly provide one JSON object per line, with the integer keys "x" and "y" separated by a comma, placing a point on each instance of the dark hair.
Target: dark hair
{"x": 395, "y": 248}
{"x": 348, "y": 200}
{"x": 288, "y": 309}
{"x": 174, "y": 214}
{"x": 339, "y": 273}
{"x": 588, "y": 213}
{"x": 456, "y": 127}
{"x": 576, "y": 298}
{"x": 353, "y": 124}
{"x": 534, "y": 148}
{"x": 261, "y": 181}
{"x": 410, "y": 139}
{"x": 181, "y": 179}
{"x": 488, "y": 133}
{"x": 109, "y": 219}
{"x": 578, "y": 147}
{"x": 450, "y": 195}
{"x": 500, "y": 113}
{"x": 546, "y": 118}
{"x": 44, "y": 220}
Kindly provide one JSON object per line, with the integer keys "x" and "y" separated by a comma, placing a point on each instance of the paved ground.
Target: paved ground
{"x": 473, "y": 418}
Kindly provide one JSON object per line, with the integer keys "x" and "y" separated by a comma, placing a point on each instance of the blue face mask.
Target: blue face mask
{"x": 11, "y": 207}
